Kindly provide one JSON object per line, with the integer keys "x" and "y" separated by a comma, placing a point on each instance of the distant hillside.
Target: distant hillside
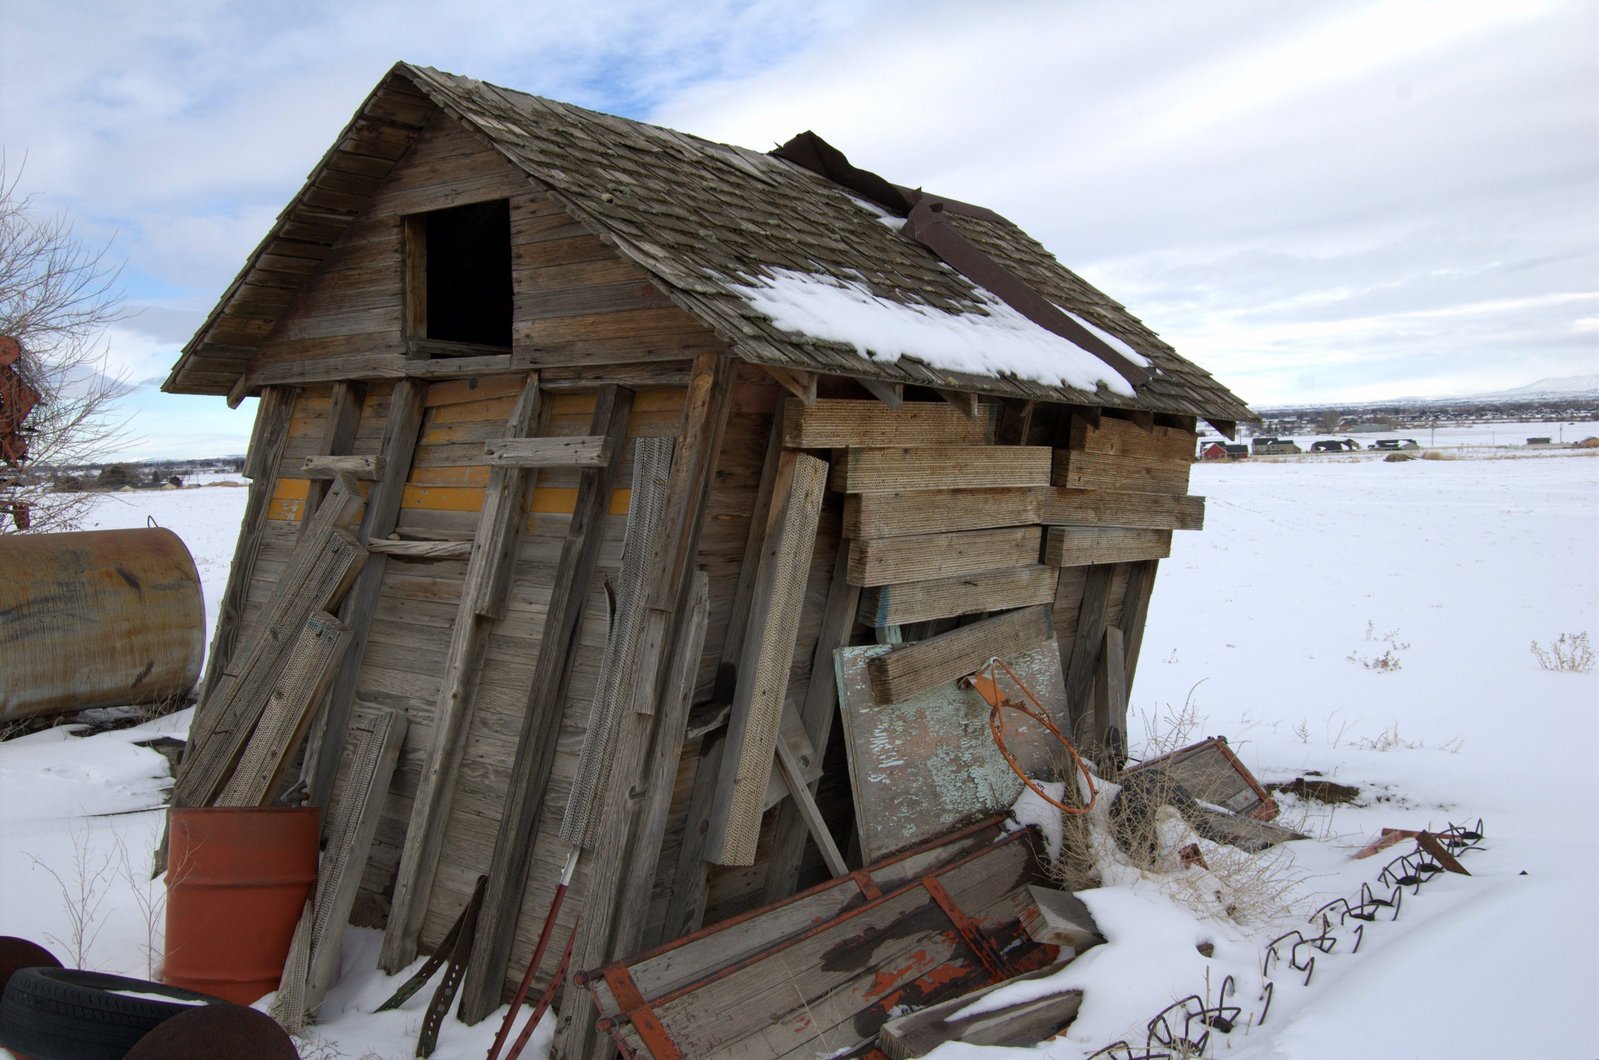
{"x": 1561, "y": 386}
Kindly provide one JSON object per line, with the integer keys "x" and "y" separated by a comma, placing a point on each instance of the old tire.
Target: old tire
{"x": 70, "y": 1014}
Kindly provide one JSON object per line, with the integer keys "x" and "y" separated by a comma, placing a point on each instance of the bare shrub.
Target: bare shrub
{"x": 1567, "y": 653}
{"x": 1385, "y": 661}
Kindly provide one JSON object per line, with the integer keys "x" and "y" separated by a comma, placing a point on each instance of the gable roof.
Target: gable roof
{"x": 709, "y": 223}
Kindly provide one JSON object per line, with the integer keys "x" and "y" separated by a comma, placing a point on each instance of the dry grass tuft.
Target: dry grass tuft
{"x": 1567, "y": 653}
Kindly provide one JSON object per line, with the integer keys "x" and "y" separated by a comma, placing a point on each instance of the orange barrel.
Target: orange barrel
{"x": 237, "y": 881}
{"x": 98, "y": 618}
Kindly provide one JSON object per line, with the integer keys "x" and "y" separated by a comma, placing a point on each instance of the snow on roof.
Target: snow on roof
{"x": 1002, "y": 342}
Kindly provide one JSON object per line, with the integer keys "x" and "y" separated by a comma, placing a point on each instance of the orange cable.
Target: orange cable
{"x": 1040, "y": 715}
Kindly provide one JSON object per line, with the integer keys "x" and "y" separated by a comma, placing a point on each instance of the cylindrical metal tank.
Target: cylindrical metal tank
{"x": 237, "y": 881}
{"x": 97, "y": 618}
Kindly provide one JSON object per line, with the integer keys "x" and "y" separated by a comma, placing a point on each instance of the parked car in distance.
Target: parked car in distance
{"x": 1394, "y": 443}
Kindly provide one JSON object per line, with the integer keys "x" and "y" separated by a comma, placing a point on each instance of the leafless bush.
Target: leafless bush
{"x": 1567, "y": 653}
{"x": 56, "y": 298}
{"x": 1386, "y": 661}
{"x": 84, "y": 887}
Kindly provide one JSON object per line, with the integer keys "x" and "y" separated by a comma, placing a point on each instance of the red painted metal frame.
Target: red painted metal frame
{"x": 633, "y": 1007}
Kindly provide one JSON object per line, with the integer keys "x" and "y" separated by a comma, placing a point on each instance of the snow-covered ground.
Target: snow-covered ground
{"x": 1368, "y": 621}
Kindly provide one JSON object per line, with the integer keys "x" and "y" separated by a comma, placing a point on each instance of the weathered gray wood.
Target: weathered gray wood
{"x": 1110, "y": 698}
{"x": 800, "y": 797}
{"x": 1135, "y": 613}
{"x": 817, "y": 714}
{"x": 277, "y": 735}
{"x": 1018, "y": 1025}
{"x": 1124, "y": 438}
{"x": 764, "y": 670}
{"x": 890, "y": 394}
{"x": 879, "y": 470}
{"x": 382, "y": 512}
{"x": 1078, "y": 546}
{"x": 801, "y": 384}
{"x": 777, "y": 474}
{"x": 927, "y": 764}
{"x": 546, "y": 452}
{"x": 835, "y": 424}
{"x": 908, "y": 671}
{"x": 685, "y": 905}
{"x": 898, "y": 605}
{"x": 1110, "y": 471}
{"x": 338, "y": 436}
{"x": 924, "y": 511}
{"x": 536, "y": 743}
{"x": 1059, "y": 506}
{"x": 504, "y": 503}
{"x": 267, "y": 439}
{"x": 328, "y": 467}
{"x": 1089, "y": 636}
{"x": 923, "y": 557}
{"x": 1056, "y": 918}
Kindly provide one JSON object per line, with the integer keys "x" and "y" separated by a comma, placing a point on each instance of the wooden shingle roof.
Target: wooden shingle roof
{"x": 702, "y": 219}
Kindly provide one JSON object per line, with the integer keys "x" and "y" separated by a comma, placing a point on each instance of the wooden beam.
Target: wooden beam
{"x": 382, "y": 512}
{"x": 1113, "y": 471}
{"x": 421, "y": 549}
{"x": 1135, "y": 613}
{"x": 909, "y": 671}
{"x": 267, "y": 439}
{"x": 777, "y": 473}
{"x": 816, "y": 715}
{"x": 837, "y": 424}
{"x": 1138, "y": 437}
{"x": 1015, "y": 422}
{"x": 922, "y": 467}
{"x": 890, "y": 394}
{"x": 764, "y": 669}
{"x": 546, "y": 452}
{"x": 961, "y": 399}
{"x": 924, "y": 557}
{"x": 1110, "y": 703}
{"x": 1059, "y": 506}
{"x": 801, "y": 384}
{"x": 546, "y": 699}
{"x": 804, "y": 802}
{"x": 1084, "y": 653}
{"x": 935, "y": 511}
{"x": 906, "y": 602}
{"x": 338, "y": 439}
{"x": 1227, "y": 428}
{"x": 1078, "y": 546}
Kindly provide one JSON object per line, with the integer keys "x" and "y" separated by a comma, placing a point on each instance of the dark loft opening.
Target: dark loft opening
{"x": 469, "y": 273}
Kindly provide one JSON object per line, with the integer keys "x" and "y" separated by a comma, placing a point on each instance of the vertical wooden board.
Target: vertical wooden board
{"x": 927, "y": 765}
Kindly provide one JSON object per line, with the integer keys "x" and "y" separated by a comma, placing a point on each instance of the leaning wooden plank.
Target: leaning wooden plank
{"x": 1110, "y": 702}
{"x": 537, "y": 740}
{"x": 283, "y": 722}
{"x": 1078, "y": 546}
{"x": 430, "y": 807}
{"x": 546, "y": 452}
{"x": 1132, "y": 474}
{"x": 1135, "y": 612}
{"x": 833, "y": 424}
{"x": 902, "y": 467}
{"x": 338, "y": 436}
{"x": 764, "y": 671}
{"x": 927, "y": 764}
{"x": 421, "y": 549}
{"x": 1151, "y": 511}
{"x": 270, "y": 433}
{"x": 1124, "y": 438}
{"x": 1019, "y": 1025}
{"x": 326, "y": 744}
{"x": 1082, "y": 656}
{"x": 351, "y": 825}
{"x": 906, "y": 602}
{"x": 925, "y": 557}
{"x": 939, "y": 510}
{"x": 908, "y": 671}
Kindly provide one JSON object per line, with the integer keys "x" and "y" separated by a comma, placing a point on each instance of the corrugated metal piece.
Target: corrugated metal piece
{"x": 97, "y": 619}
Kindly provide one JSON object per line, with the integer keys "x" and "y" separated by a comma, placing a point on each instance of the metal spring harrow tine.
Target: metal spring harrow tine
{"x": 1410, "y": 870}
{"x": 1159, "y": 1030}
{"x": 1121, "y": 1050}
{"x": 1460, "y": 838}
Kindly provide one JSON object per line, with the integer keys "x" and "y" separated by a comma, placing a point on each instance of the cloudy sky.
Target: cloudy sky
{"x": 1317, "y": 202}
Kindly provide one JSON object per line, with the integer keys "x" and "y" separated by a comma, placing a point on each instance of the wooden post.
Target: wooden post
{"x": 338, "y": 439}
{"x": 763, "y": 674}
{"x": 504, "y": 501}
{"x": 382, "y": 512}
{"x": 1079, "y": 665}
{"x": 817, "y": 714}
{"x": 546, "y": 701}
{"x": 1135, "y": 613}
{"x": 1110, "y": 703}
{"x": 267, "y": 439}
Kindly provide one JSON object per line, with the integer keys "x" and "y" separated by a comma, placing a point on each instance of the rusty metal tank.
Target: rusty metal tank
{"x": 97, "y": 618}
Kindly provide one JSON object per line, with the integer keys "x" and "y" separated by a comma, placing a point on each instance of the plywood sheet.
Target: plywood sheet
{"x": 929, "y": 764}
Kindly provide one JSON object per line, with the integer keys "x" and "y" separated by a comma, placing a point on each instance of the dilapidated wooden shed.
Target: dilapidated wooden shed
{"x": 602, "y": 441}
